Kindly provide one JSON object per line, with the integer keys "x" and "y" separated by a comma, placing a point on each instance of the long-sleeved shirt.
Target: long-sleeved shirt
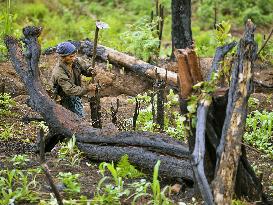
{"x": 67, "y": 83}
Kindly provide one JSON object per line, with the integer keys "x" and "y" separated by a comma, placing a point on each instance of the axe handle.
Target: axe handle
{"x": 95, "y": 47}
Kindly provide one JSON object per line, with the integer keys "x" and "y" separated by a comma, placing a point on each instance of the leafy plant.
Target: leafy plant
{"x": 7, "y": 27}
{"x": 203, "y": 94}
{"x": 265, "y": 54}
{"x": 70, "y": 182}
{"x": 259, "y": 130}
{"x": 6, "y": 103}
{"x": 20, "y": 160}
{"x": 222, "y": 33}
{"x": 235, "y": 10}
{"x": 238, "y": 202}
{"x": 253, "y": 103}
{"x": 141, "y": 39}
{"x": 108, "y": 193}
{"x": 126, "y": 170}
{"x": 70, "y": 153}
{"x": 112, "y": 193}
{"x": 158, "y": 196}
{"x": 15, "y": 186}
{"x": 115, "y": 193}
{"x": 174, "y": 123}
{"x": 7, "y": 133}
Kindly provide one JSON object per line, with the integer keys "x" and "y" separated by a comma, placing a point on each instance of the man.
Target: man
{"x": 66, "y": 78}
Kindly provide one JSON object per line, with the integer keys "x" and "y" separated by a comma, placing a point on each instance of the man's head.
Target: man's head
{"x": 67, "y": 51}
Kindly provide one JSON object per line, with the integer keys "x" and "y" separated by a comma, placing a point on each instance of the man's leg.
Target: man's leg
{"x": 74, "y": 104}
{"x": 78, "y": 107}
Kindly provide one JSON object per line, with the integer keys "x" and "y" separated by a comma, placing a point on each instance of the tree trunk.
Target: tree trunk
{"x": 200, "y": 144}
{"x": 181, "y": 24}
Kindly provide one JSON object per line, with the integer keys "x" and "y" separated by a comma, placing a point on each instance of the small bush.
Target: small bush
{"x": 256, "y": 16}
{"x": 141, "y": 39}
{"x": 6, "y": 103}
{"x": 69, "y": 152}
{"x": 34, "y": 11}
{"x": 70, "y": 181}
{"x": 6, "y": 133}
{"x": 16, "y": 187}
{"x": 259, "y": 131}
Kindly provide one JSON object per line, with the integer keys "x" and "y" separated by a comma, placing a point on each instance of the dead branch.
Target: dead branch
{"x": 114, "y": 112}
{"x": 264, "y": 44}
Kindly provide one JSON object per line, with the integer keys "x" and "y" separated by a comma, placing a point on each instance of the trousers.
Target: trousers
{"x": 74, "y": 104}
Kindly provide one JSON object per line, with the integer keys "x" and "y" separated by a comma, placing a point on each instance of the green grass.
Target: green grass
{"x": 66, "y": 19}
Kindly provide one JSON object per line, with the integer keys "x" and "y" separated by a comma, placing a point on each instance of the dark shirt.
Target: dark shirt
{"x": 67, "y": 83}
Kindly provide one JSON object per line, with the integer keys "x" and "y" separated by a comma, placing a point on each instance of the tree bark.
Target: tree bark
{"x": 181, "y": 25}
{"x": 229, "y": 149}
{"x": 142, "y": 147}
{"x": 198, "y": 154}
{"x": 188, "y": 74}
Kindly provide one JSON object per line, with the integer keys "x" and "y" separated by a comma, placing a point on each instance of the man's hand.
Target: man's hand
{"x": 91, "y": 89}
{"x": 92, "y": 72}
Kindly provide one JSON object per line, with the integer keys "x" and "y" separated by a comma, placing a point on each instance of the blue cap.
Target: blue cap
{"x": 65, "y": 49}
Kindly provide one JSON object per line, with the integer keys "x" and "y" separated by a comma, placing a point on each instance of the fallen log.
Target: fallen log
{"x": 159, "y": 143}
{"x": 174, "y": 168}
{"x": 148, "y": 148}
{"x": 124, "y": 60}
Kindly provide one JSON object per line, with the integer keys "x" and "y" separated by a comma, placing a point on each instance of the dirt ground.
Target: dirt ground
{"x": 115, "y": 85}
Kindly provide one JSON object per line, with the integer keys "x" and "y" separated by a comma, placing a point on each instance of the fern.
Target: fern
{"x": 126, "y": 170}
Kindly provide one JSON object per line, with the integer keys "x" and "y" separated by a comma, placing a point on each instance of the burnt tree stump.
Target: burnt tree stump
{"x": 218, "y": 118}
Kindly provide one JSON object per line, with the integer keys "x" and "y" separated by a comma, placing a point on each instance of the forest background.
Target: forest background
{"x": 130, "y": 22}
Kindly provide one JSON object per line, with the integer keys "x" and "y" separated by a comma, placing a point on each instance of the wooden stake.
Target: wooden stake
{"x": 95, "y": 46}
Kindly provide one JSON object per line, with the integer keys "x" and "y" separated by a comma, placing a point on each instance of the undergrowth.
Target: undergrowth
{"x": 174, "y": 124}
{"x": 259, "y": 131}
{"x": 64, "y": 20}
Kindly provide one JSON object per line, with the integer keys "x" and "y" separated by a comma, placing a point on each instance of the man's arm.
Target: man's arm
{"x": 85, "y": 67}
{"x": 70, "y": 88}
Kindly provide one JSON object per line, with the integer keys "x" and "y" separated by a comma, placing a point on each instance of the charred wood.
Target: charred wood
{"x": 45, "y": 168}
{"x": 160, "y": 90}
{"x": 95, "y": 108}
{"x": 202, "y": 127}
{"x": 64, "y": 123}
{"x": 136, "y": 113}
{"x": 171, "y": 167}
{"x": 114, "y": 112}
{"x": 229, "y": 149}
